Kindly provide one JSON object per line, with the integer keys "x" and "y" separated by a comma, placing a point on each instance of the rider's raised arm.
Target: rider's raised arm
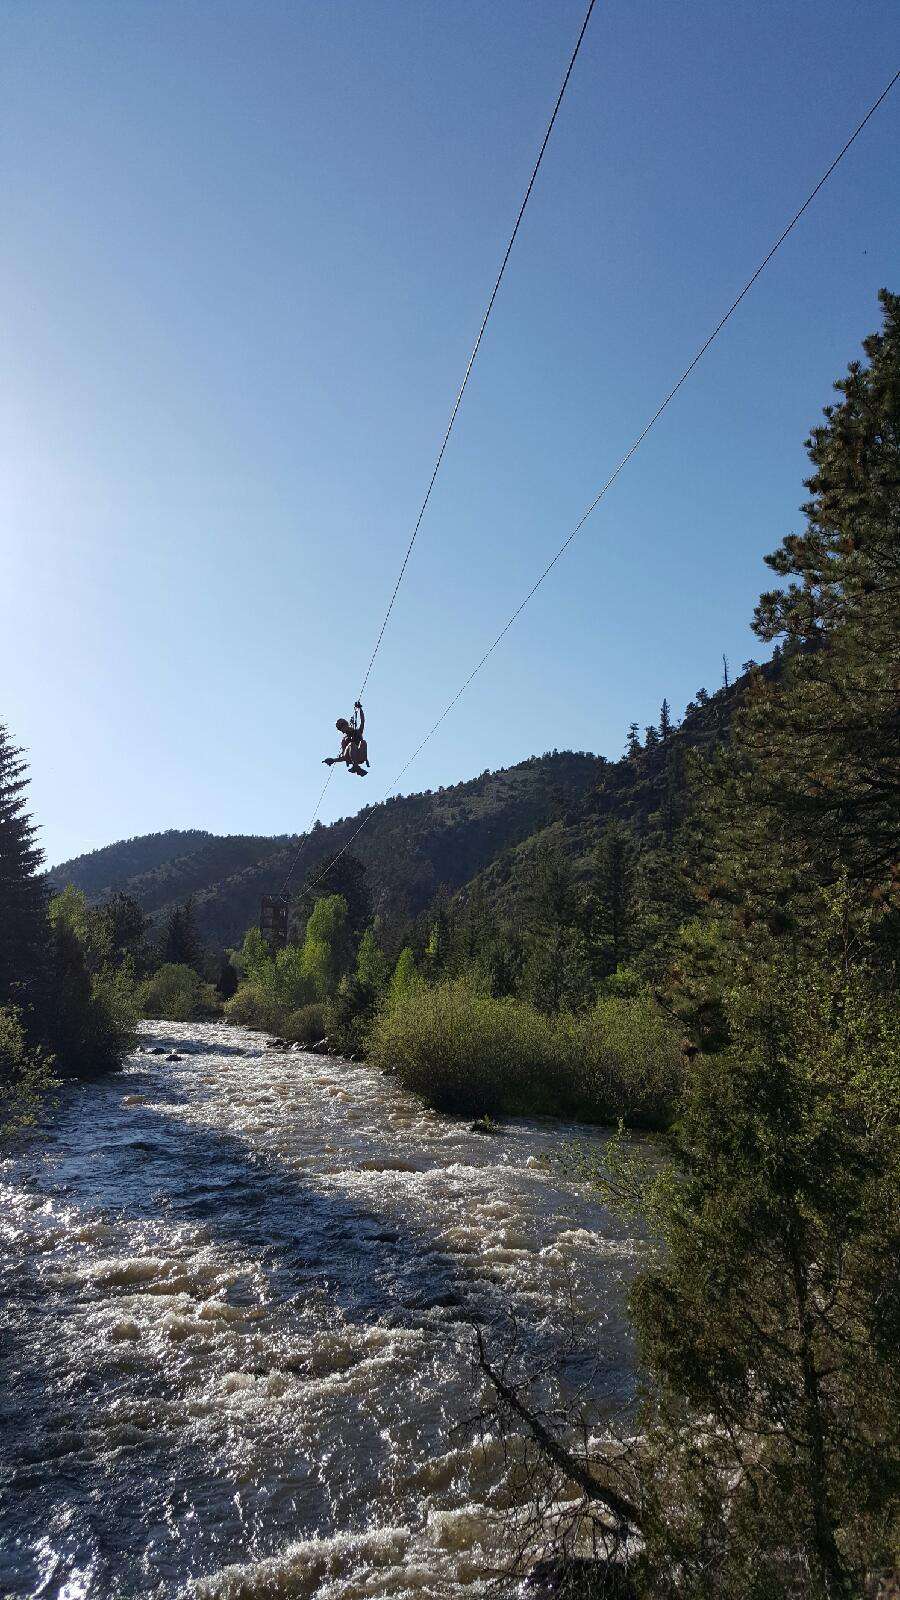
{"x": 361, "y": 723}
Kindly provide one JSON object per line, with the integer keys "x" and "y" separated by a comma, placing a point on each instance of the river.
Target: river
{"x": 239, "y": 1294}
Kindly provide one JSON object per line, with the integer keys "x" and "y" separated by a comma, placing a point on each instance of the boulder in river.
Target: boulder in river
{"x": 485, "y": 1125}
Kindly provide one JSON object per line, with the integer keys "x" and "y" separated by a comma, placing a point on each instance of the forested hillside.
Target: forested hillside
{"x": 411, "y": 846}
{"x": 100, "y": 872}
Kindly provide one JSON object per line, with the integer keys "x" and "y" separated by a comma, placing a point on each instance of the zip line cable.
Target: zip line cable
{"x": 458, "y": 401}
{"x": 622, "y": 464}
{"x": 477, "y": 345}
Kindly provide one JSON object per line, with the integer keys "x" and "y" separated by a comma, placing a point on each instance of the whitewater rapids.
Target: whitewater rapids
{"x": 238, "y": 1295}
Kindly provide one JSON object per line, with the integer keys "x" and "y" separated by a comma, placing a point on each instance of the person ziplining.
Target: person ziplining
{"x": 354, "y": 749}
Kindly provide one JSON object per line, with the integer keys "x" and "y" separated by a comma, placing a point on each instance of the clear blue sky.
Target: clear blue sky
{"x": 245, "y": 250}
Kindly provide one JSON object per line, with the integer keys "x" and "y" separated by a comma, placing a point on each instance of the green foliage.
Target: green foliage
{"x": 346, "y": 878}
{"x": 405, "y": 980}
{"x": 465, "y": 1051}
{"x": 770, "y": 1323}
{"x": 372, "y": 970}
{"x": 23, "y": 925}
{"x": 325, "y": 951}
{"x": 181, "y": 942}
{"x": 612, "y": 904}
{"x": 307, "y": 1025}
{"x": 26, "y": 1075}
{"x": 226, "y": 979}
{"x": 253, "y": 957}
{"x": 624, "y": 1060}
{"x": 177, "y": 993}
{"x": 126, "y": 929}
{"x": 273, "y": 990}
{"x": 93, "y": 1014}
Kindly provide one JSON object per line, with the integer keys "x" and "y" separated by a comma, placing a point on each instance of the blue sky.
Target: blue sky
{"x": 245, "y": 251}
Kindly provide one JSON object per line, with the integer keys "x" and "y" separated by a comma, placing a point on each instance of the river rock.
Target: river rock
{"x": 485, "y": 1125}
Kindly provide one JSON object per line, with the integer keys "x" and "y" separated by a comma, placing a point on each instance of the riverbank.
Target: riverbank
{"x": 463, "y": 1051}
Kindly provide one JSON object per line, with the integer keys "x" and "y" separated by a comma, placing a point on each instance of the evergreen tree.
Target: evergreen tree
{"x": 181, "y": 942}
{"x": 555, "y": 965}
{"x": 633, "y": 744}
{"x": 23, "y": 912}
{"x": 613, "y": 884}
{"x": 833, "y": 771}
{"x": 665, "y": 721}
{"x": 227, "y": 978}
{"x": 126, "y": 926}
{"x": 770, "y": 1325}
{"x": 347, "y": 877}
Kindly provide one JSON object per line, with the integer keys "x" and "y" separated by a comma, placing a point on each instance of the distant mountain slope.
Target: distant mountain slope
{"x": 101, "y": 871}
{"x": 216, "y": 861}
{"x": 411, "y": 845}
{"x": 648, "y": 792}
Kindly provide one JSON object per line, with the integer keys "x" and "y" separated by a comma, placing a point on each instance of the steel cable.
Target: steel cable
{"x": 621, "y": 465}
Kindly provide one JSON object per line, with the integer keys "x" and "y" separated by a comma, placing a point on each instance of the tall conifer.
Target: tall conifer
{"x": 23, "y": 922}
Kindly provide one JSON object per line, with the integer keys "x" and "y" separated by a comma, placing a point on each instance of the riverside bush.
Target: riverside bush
{"x": 626, "y": 1062}
{"x": 176, "y": 993}
{"x": 464, "y": 1051}
{"x": 254, "y": 1005}
{"x": 306, "y": 1025}
{"x": 26, "y": 1075}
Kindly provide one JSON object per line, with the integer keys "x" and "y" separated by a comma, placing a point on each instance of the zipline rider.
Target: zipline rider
{"x": 354, "y": 749}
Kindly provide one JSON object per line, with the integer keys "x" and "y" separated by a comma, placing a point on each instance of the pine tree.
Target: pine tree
{"x": 23, "y": 914}
{"x": 767, "y": 1327}
{"x": 614, "y": 863}
{"x": 665, "y": 721}
{"x": 181, "y": 943}
{"x": 227, "y": 979}
{"x": 633, "y": 745}
{"x": 826, "y": 733}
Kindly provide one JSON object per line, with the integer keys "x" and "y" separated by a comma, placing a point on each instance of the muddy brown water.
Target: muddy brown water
{"x": 238, "y": 1295}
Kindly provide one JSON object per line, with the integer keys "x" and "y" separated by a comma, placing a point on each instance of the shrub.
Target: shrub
{"x": 176, "y": 993}
{"x": 307, "y": 1025}
{"x": 254, "y": 1006}
{"x": 464, "y": 1051}
{"x": 625, "y": 1062}
{"x": 26, "y": 1075}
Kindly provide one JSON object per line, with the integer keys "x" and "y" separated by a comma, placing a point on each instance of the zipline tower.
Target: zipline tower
{"x": 273, "y": 921}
